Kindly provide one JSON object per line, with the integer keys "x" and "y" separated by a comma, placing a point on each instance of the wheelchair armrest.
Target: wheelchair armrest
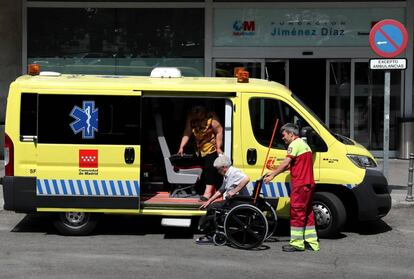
{"x": 186, "y": 161}
{"x": 241, "y": 198}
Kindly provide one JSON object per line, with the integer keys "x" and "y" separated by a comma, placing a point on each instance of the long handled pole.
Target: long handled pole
{"x": 270, "y": 146}
{"x": 259, "y": 187}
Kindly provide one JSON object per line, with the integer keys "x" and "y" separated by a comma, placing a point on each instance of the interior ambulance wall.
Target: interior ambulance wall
{"x": 10, "y": 53}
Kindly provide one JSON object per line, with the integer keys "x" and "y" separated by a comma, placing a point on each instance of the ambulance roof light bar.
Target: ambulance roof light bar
{"x": 166, "y": 72}
{"x": 34, "y": 70}
{"x": 241, "y": 75}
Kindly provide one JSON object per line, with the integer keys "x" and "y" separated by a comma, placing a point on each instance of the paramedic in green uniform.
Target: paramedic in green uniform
{"x": 302, "y": 220}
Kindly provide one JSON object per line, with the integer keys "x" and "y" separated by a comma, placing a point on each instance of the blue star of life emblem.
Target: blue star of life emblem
{"x": 86, "y": 120}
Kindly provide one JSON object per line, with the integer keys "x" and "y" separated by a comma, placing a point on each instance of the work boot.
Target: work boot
{"x": 290, "y": 248}
{"x": 310, "y": 248}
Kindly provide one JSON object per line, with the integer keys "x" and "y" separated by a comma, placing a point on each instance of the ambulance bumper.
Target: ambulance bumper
{"x": 373, "y": 196}
{"x": 19, "y": 194}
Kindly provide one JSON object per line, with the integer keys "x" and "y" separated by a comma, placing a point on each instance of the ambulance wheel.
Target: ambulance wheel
{"x": 245, "y": 226}
{"x": 330, "y": 214}
{"x": 75, "y": 223}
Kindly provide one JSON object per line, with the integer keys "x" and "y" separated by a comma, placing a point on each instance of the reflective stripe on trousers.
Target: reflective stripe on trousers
{"x": 302, "y": 219}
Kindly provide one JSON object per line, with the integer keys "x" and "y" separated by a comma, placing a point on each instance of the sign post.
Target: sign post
{"x": 388, "y": 38}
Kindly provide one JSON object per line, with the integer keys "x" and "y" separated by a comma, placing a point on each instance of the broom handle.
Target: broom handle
{"x": 256, "y": 194}
{"x": 270, "y": 146}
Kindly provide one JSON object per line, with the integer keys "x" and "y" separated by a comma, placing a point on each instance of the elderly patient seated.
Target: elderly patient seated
{"x": 234, "y": 182}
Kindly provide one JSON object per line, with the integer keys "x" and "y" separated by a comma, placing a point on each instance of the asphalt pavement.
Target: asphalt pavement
{"x": 139, "y": 247}
{"x": 30, "y": 248}
{"x": 397, "y": 179}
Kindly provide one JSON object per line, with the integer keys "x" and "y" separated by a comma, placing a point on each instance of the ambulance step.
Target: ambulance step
{"x": 175, "y": 222}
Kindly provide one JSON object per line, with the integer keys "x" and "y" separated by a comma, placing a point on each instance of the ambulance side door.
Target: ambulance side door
{"x": 89, "y": 150}
{"x": 259, "y": 115}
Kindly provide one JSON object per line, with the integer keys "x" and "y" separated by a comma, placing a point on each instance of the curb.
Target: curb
{"x": 401, "y": 204}
{"x": 398, "y": 187}
{"x": 398, "y": 196}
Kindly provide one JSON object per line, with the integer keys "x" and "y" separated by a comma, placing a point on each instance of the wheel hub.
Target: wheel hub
{"x": 323, "y": 216}
{"x": 75, "y": 218}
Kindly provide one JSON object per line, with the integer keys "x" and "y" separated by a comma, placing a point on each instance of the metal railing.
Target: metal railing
{"x": 409, "y": 197}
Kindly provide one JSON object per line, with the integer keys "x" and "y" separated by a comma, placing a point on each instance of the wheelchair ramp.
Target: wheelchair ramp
{"x": 163, "y": 200}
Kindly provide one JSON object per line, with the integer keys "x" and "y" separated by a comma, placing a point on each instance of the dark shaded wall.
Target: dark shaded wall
{"x": 10, "y": 53}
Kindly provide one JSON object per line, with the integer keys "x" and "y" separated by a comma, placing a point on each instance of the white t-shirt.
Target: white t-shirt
{"x": 232, "y": 178}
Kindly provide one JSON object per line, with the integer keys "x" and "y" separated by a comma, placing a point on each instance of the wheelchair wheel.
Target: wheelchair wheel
{"x": 220, "y": 239}
{"x": 245, "y": 226}
{"x": 271, "y": 217}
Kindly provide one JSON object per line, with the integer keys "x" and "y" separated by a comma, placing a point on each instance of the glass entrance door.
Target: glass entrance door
{"x": 355, "y": 103}
{"x": 354, "y": 94}
{"x": 274, "y": 70}
{"x": 225, "y": 68}
{"x": 339, "y": 97}
{"x": 369, "y": 106}
{"x": 277, "y": 70}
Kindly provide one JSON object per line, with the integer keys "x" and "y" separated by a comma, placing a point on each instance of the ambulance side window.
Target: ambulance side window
{"x": 263, "y": 113}
{"x": 28, "y": 114}
{"x": 89, "y": 119}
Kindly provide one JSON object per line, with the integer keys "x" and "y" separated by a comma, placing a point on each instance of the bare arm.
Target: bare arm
{"x": 218, "y": 130}
{"x": 281, "y": 168}
{"x": 186, "y": 136}
{"x": 210, "y": 200}
{"x": 239, "y": 187}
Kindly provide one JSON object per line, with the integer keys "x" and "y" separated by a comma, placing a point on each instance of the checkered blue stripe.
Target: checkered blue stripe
{"x": 94, "y": 188}
{"x": 279, "y": 189}
{"x": 273, "y": 189}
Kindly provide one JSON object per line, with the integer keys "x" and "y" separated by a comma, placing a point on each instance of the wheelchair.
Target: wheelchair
{"x": 244, "y": 222}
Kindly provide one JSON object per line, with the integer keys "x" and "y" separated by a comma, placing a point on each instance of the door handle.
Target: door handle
{"x": 28, "y": 138}
{"x": 129, "y": 155}
{"x": 251, "y": 156}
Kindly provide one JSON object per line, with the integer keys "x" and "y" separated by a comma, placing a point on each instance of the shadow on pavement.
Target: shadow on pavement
{"x": 369, "y": 228}
{"x": 338, "y": 236}
{"x": 144, "y": 225}
{"x": 110, "y": 225}
{"x": 132, "y": 225}
{"x": 41, "y": 223}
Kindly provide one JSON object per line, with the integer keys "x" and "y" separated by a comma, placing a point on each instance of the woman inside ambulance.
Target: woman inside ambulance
{"x": 208, "y": 134}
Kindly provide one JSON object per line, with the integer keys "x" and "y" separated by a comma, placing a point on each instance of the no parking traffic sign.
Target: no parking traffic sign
{"x": 388, "y": 38}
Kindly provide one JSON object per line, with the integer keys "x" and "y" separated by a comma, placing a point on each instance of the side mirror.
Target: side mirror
{"x": 306, "y": 131}
{"x": 313, "y": 139}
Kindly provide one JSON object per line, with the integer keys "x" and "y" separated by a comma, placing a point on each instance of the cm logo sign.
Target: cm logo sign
{"x": 243, "y": 28}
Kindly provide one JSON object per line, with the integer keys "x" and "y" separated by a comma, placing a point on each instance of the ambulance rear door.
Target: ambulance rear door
{"x": 89, "y": 150}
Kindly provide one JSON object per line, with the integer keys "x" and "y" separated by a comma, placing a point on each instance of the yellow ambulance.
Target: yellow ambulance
{"x": 85, "y": 145}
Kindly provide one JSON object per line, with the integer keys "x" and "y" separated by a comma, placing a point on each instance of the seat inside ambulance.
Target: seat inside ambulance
{"x": 163, "y": 124}
{"x": 183, "y": 175}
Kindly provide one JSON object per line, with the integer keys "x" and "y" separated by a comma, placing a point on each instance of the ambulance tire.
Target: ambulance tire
{"x": 75, "y": 223}
{"x": 330, "y": 214}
